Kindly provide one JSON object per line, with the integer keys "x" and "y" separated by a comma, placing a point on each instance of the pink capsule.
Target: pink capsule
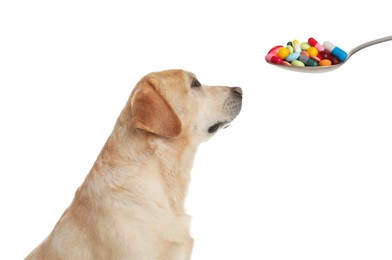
{"x": 273, "y": 58}
{"x": 314, "y": 43}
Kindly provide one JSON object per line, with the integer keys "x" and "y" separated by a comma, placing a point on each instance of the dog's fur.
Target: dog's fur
{"x": 131, "y": 204}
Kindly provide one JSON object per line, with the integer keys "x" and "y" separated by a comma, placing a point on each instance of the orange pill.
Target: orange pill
{"x": 312, "y": 51}
{"x": 325, "y": 62}
{"x": 283, "y": 52}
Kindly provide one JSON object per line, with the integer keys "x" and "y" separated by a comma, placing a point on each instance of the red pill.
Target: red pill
{"x": 312, "y": 42}
{"x": 322, "y": 55}
{"x": 275, "y": 49}
{"x": 334, "y": 60}
{"x": 273, "y": 58}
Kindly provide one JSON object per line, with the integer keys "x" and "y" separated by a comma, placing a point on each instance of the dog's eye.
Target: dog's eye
{"x": 195, "y": 83}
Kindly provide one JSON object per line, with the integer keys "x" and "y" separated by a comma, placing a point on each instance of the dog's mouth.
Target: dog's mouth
{"x": 212, "y": 129}
{"x": 224, "y": 124}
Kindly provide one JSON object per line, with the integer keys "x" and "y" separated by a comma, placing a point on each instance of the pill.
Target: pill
{"x": 314, "y": 43}
{"x": 334, "y": 60}
{"x": 325, "y": 62}
{"x": 307, "y": 61}
{"x": 305, "y": 53}
{"x": 273, "y": 58}
{"x": 324, "y": 55}
{"x": 296, "y": 46}
{"x": 309, "y": 53}
{"x": 297, "y": 63}
{"x": 335, "y": 51}
{"x": 275, "y": 49}
{"x": 312, "y": 51}
{"x": 315, "y": 58}
{"x": 290, "y": 47}
{"x": 292, "y": 56}
{"x": 304, "y": 46}
{"x": 283, "y": 52}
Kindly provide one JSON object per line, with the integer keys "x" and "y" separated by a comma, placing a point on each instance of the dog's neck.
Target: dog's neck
{"x": 164, "y": 161}
{"x": 175, "y": 171}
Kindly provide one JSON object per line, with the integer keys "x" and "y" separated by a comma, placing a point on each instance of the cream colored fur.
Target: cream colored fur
{"x": 131, "y": 204}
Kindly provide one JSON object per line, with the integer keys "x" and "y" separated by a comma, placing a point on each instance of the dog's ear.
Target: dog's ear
{"x": 151, "y": 111}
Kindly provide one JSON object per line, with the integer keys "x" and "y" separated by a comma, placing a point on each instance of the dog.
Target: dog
{"x": 131, "y": 204}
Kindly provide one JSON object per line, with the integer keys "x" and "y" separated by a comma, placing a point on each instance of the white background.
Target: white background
{"x": 304, "y": 172}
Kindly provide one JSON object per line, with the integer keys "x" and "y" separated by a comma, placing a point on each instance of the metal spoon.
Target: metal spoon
{"x": 319, "y": 69}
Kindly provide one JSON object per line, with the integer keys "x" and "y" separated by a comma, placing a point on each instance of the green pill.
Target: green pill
{"x": 305, "y": 46}
{"x": 297, "y": 63}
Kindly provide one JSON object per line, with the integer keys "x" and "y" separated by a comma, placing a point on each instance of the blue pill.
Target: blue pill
{"x": 335, "y": 51}
{"x": 292, "y": 56}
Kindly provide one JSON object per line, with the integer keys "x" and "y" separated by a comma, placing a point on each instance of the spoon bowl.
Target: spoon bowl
{"x": 320, "y": 69}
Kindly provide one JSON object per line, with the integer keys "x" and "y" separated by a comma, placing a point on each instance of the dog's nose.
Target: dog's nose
{"x": 237, "y": 91}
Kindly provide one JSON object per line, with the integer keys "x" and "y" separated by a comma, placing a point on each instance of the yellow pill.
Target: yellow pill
{"x": 283, "y": 52}
{"x": 312, "y": 51}
{"x": 296, "y": 46}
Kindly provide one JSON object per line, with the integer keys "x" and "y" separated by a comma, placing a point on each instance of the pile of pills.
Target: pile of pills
{"x": 310, "y": 53}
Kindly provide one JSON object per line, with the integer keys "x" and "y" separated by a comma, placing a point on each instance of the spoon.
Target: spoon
{"x": 319, "y": 69}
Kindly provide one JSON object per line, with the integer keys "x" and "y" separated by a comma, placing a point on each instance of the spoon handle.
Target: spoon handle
{"x": 367, "y": 44}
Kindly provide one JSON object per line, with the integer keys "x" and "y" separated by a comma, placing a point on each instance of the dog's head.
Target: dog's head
{"x": 174, "y": 103}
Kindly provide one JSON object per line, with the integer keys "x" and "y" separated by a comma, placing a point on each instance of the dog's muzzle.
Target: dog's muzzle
{"x": 233, "y": 104}
{"x": 232, "y": 107}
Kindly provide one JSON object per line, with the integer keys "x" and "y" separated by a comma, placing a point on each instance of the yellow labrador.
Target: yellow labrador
{"x": 131, "y": 204}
